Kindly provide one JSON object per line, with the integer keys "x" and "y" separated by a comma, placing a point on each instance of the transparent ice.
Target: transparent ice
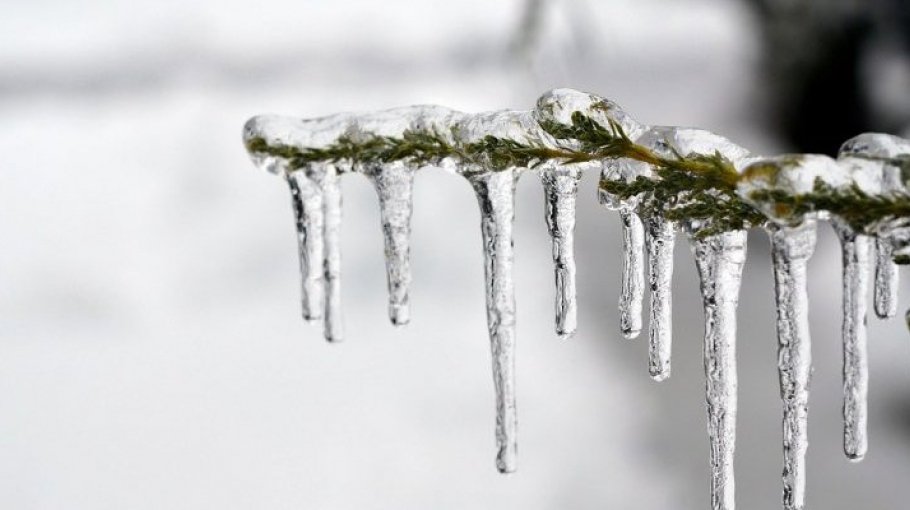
{"x": 496, "y": 196}
{"x": 791, "y": 248}
{"x": 306, "y": 199}
{"x": 857, "y": 262}
{"x": 872, "y": 163}
{"x": 879, "y": 150}
{"x": 720, "y": 260}
{"x": 660, "y": 238}
{"x": 394, "y": 183}
{"x": 560, "y": 185}
{"x": 633, "y": 285}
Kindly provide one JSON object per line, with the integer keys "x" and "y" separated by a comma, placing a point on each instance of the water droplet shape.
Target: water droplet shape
{"x": 791, "y": 249}
{"x": 659, "y": 240}
{"x": 496, "y": 197}
{"x": 560, "y": 185}
{"x": 394, "y": 182}
{"x": 719, "y": 259}
{"x": 306, "y": 200}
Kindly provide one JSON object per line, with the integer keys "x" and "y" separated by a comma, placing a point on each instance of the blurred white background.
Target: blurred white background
{"x": 152, "y": 354}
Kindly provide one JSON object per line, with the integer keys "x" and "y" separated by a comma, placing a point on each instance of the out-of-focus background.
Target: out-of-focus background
{"x": 152, "y": 354}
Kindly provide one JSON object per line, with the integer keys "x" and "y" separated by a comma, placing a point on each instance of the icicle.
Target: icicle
{"x": 306, "y": 199}
{"x": 886, "y": 280}
{"x": 720, "y": 261}
{"x": 790, "y": 250}
{"x": 630, "y": 301}
{"x": 327, "y": 178}
{"x": 560, "y": 189}
{"x": 856, "y": 267}
{"x": 394, "y": 184}
{"x": 496, "y": 196}
{"x": 660, "y": 238}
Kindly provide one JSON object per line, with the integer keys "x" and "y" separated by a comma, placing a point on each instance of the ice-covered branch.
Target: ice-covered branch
{"x": 660, "y": 179}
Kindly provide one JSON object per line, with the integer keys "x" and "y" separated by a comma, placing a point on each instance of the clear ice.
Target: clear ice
{"x": 886, "y": 280}
{"x": 791, "y": 248}
{"x": 871, "y": 162}
{"x": 496, "y": 196}
{"x": 720, "y": 260}
{"x": 659, "y": 239}
{"x": 878, "y": 151}
{"x": 394, "y": 183}
{"x": 856, "y": 255}
{"x": 306, "y": 199}
{"x": 560, "y": 185}
{"x": 327, "y": 177}
{"x": 633, "y": 285}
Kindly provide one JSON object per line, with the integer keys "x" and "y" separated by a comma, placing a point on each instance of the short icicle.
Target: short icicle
{"x": 496, "y": 196}
{"x": 306, "y": 199}
{"x": 561, "y": 189}
{"x": 659, "y": 240}
{"x": 886, "y": 280}
{"x": 856, "y": 268}
{"x": 394, "y": 184}
{"x": 720, "y": 260}
{"x": 331, "y": 203}
{"x": 630, "y": 301}
{"x": 791, "y": 249}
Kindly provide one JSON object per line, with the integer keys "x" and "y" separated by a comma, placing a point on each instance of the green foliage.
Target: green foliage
{"x": 696, "y": 188}
{"x": 857, "y": 208}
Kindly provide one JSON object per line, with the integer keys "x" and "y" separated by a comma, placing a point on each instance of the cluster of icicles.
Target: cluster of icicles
{"x": 719, "y": 257}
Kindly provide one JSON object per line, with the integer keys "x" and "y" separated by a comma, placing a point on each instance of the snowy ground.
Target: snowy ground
{"x": 151, "y": 350}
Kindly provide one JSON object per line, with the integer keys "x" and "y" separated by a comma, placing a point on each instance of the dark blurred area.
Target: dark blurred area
{"x": 820, "y": 60}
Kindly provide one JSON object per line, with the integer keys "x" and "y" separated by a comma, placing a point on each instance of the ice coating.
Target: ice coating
{"x": 882, "y": 149}
{"x": 558, "y": 105}
{"x": 792, "y": 174}
{"x": 875, "y": 145}
{"x": 516, "y": 126}
{"x": 496, "y": 196}
{"x": 394, "y": 183}
{"x": 294, "y": 132}
{"x": 490, "y": 150}
{"x": 633, "y": 285}
{"x": 856, "y": 269}
{"x": 659, "y": 240}
{"x": 560, "y": 185}
{"x": 306, "y": 200}
{"x": 791, "y": 249}
{"x": 720, "y": 260}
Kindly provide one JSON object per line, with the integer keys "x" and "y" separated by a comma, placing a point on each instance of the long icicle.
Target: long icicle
{"x": 496, "y": 196}
{"x": 306, "y": 199}
{"x": 791, "y": 249}
{"x": 720, "y": 260}
{"x": 560, "y": 190}
{"x": 886, "y": 280}
{"x": 331, "y": 203}
{"x": 394, "y": 182}
{"x": 856, "y": 267}
{"x": 632, "y": 296}
{"x": 659, "y": 240}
